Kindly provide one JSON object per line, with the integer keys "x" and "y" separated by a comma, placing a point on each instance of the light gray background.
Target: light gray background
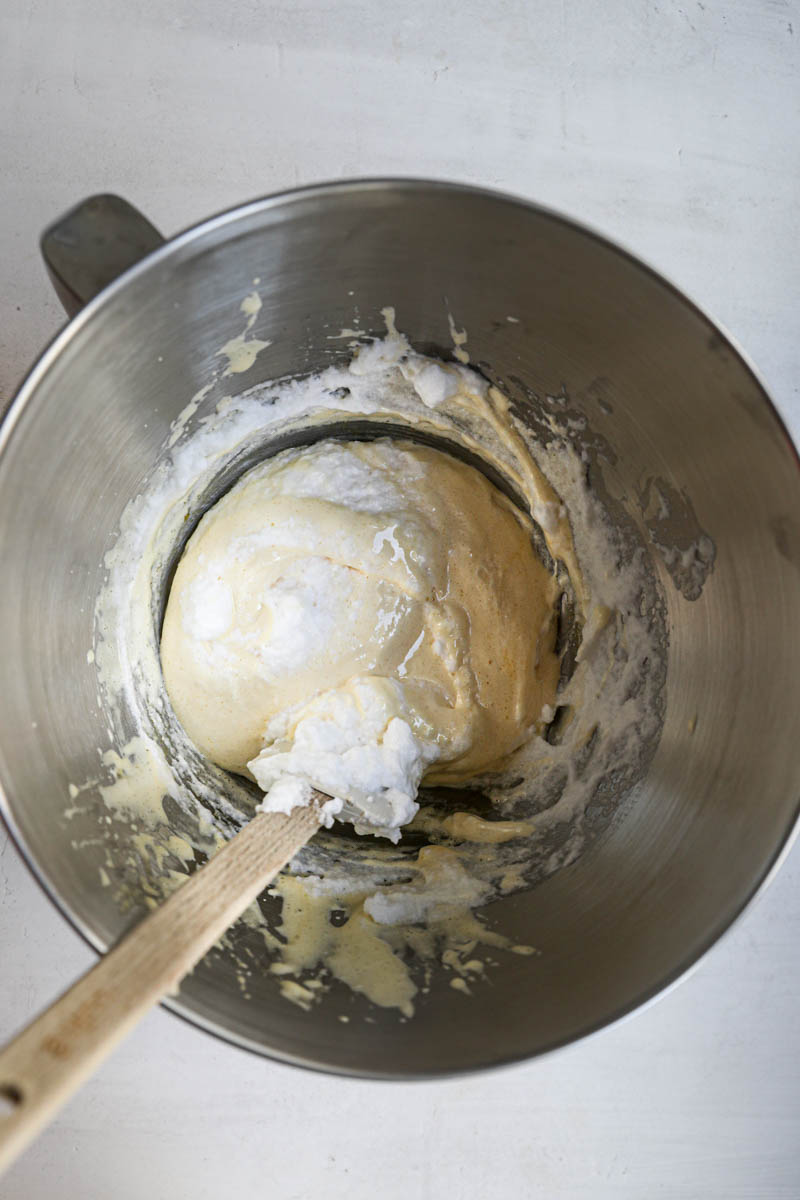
{"x": 674, "y": 129}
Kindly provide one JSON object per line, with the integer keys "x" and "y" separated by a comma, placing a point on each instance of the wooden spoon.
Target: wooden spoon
{"x": 49, "y": 1060}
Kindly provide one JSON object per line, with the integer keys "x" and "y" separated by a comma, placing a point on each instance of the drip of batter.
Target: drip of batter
{"x": 356, "y": 617}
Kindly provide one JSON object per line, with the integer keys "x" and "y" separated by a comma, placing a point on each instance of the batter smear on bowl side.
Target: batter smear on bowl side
{"x": 376, "y": 582}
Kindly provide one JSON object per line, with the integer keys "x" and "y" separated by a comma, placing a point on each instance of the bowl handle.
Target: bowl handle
{"x": 92, "y": 244}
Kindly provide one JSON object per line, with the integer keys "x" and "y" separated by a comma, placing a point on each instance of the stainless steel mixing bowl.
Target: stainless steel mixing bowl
{"x": 654, "y": 376}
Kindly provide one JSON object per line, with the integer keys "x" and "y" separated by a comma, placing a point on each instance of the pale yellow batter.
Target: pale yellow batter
{"x": 356, "y": 616}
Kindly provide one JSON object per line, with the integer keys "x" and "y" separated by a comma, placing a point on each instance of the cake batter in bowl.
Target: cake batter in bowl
{"x": 598, "y": 357}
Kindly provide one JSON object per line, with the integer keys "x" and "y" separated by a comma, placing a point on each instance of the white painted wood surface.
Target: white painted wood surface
{"x": 673, "y": 127}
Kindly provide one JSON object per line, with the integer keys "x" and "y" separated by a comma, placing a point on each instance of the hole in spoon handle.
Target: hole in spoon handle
{"x": 11, "y": 1097}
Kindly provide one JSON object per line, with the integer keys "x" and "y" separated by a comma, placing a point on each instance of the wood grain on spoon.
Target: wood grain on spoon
{"x": 49, "y": 1060}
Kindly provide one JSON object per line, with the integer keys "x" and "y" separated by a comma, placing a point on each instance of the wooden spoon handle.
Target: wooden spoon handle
{"x": 47, "y": 1062}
